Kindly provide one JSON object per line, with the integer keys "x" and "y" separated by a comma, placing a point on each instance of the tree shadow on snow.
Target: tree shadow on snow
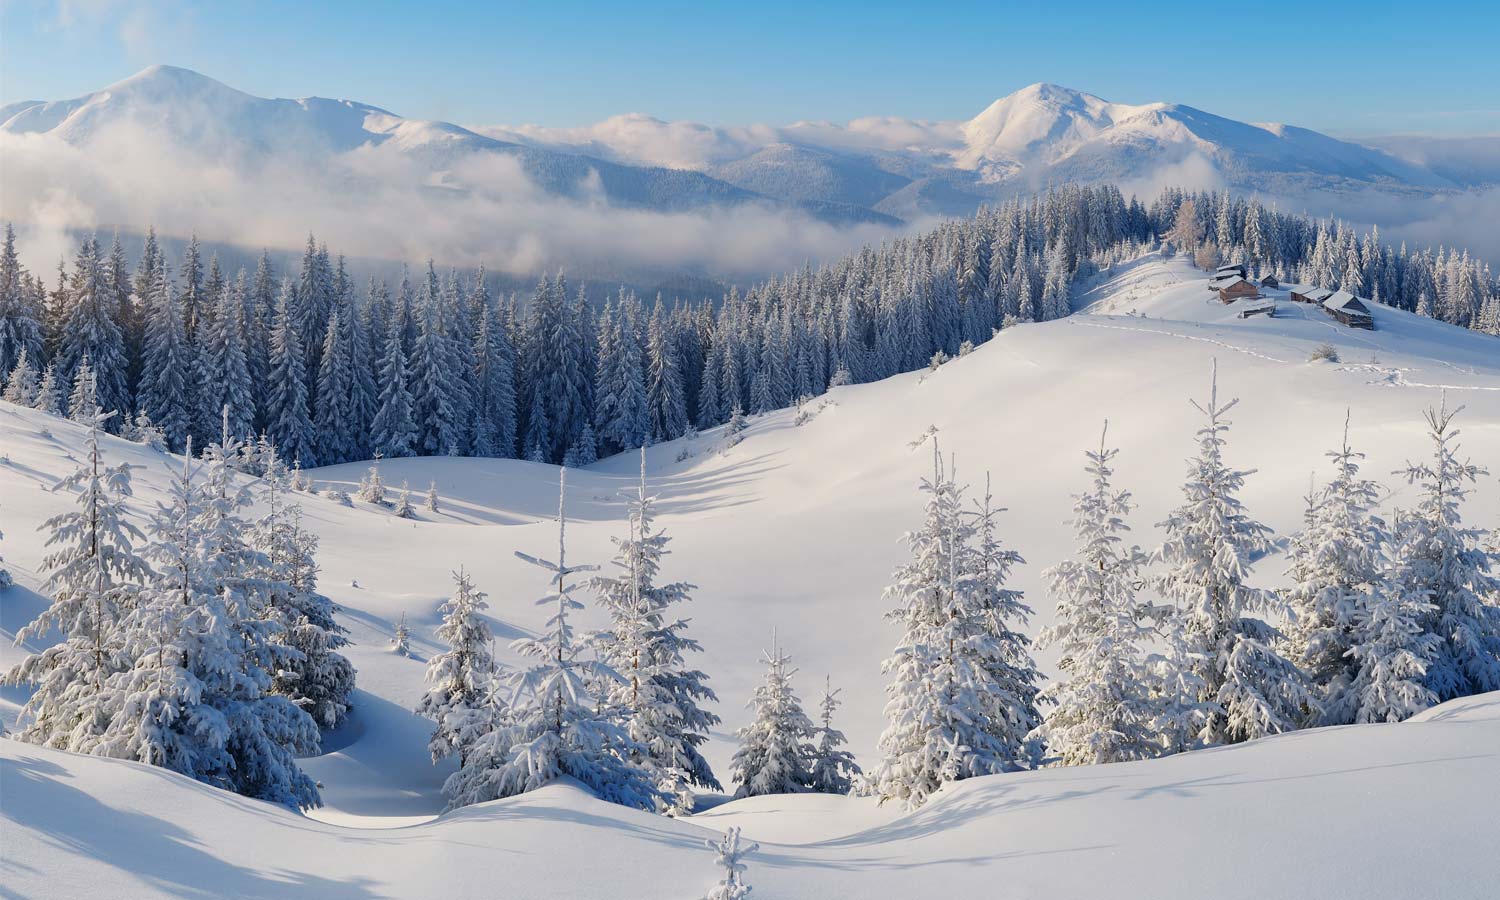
{"x": 155, "y": 850}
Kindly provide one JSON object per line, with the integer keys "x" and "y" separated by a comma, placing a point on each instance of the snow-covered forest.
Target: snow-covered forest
{"x": 328, "y": 369}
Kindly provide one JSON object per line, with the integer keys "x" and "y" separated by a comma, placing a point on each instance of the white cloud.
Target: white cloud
{"x": 379, "y": 202}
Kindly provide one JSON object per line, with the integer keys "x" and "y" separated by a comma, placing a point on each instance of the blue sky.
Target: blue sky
{"x": 1346, "y": 67}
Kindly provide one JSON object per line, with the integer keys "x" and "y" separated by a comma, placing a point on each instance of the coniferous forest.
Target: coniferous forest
{"x": 329, "y": 368}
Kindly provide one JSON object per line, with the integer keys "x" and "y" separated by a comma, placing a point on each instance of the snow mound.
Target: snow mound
{"x": 1423, "y": 792}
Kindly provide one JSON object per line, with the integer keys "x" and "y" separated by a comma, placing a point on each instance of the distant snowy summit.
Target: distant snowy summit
{"x": 878, "y": 169}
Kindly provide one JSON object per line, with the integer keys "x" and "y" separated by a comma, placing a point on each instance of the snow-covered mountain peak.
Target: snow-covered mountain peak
{"x": 1042, "y": 122}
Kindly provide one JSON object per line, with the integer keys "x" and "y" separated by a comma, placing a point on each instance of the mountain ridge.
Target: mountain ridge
{"x": 875, "y": 170}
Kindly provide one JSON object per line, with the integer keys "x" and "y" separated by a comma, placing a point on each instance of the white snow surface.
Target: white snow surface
{"x": 798, "y": 528}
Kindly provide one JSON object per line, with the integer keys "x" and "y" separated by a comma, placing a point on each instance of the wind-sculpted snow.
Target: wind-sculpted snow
{"x": 1381, "y": 811}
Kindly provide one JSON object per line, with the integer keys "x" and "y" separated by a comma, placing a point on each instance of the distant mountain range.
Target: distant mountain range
{"x": 881, "y": 170}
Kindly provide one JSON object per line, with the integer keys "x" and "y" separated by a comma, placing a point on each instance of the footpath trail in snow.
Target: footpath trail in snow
{"x": 798, "y": 528}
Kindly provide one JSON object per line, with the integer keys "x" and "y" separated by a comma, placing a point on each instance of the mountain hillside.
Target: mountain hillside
{"x": 796, "y": 529}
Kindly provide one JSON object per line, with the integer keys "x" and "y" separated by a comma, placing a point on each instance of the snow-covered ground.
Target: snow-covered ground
{"x": 797, "y": 529}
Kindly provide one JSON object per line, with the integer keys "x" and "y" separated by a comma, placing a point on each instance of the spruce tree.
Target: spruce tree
{"x": 1335, "y": 562}
{"x": 317, "y": 678}
{"x": 657, "y": 697}
{"x": 461, "y": 695}
{"x": 1246, "y": 688}
{"x": 195, "y": 697}
{"x": 435, "y": 380}
{"x": 20, "y": 323}
{"x": 94, "y": 574}
{"x": 21, "y": 384}
{"x": 556, "y": 726}
{"x": 1103, "y": 710}
{"x": 334, "y": 423}
{"x": 963, "y": 689}
{"x": 288, "y": 424}
{"x": 49, "y": 397}
{"x": 776, "y": 747}
{"x": 393, "y": 432}
{"x": 83, "y": 402}
{"x": 495, "y": 388}
{"x": 92, "y": 332}
{"x": 833, "y": 771}
{"x": 162, "y": 392}
{"x": 1441, "y": 572}
{"x": 666, "y": 397}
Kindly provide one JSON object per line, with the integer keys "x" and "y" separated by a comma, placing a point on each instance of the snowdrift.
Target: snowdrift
{"x": 1365, "y": 811}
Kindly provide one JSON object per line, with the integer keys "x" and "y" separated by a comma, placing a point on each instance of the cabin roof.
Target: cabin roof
{"x": 1346, "y": 302}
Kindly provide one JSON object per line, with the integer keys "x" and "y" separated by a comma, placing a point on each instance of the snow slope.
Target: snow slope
{"x": 1401, "y": 811}
{"x": 797, "y": 528}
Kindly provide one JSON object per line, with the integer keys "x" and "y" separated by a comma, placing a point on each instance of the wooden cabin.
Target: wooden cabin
{"x": 1270, "y": 281}
{"x": 1238, "y": 289}
{"x": 1303, "y": 293}
{"x": 1350, "y": 310}
{"x": 1265, "y": 308}
{"x": 1232, "y": 269}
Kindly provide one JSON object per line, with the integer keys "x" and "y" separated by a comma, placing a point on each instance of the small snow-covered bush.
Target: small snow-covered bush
{"x": 371, "y": 488}
{"x": 403, "y": 505}
{"x": 1326, "y": 351}
{"x": 339, "y": 497}
{"x": 727, "y": 853}
{"x": 938, "y": 359}
{"x": 965, "y": 348}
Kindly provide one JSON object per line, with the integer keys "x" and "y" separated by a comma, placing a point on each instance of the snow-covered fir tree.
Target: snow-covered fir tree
{"x": 657, "y": 697}
{"x": 49, "y": 397}
{"x": 83, "y": 402}
{"x": 403, "y": 509}
{"x": 776, "y": 747}
{"x": 371, "y": 487}
{"x": 1440, "y": 574}
{"x": 461, "y": 681}
{"x": 1335, "y": 564}
{"x": 401, "y": 638}
{"x": 495, "y": 387}
{"x": 93, "y": 577}
{"x": 91, "y": 333}
{"x": 833, "y": 770}
{"x": 288, "y": 422}
{"x": 393, "y": 432}
{"x": 431, "y": 502}
{"x": 317, "y": 677}
{"x": 20, "y": 319}
{"x": 196, "y": 695}
{"x": 1244, "y": 686}
{"x": 1104, "y": 706}
{"x": 556, "y": 725}
{"x": 963, "y": 690}
{"x": 21, "y": 383}
{"x": 436, "y": 377}
{"x": 162, "y": 390}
